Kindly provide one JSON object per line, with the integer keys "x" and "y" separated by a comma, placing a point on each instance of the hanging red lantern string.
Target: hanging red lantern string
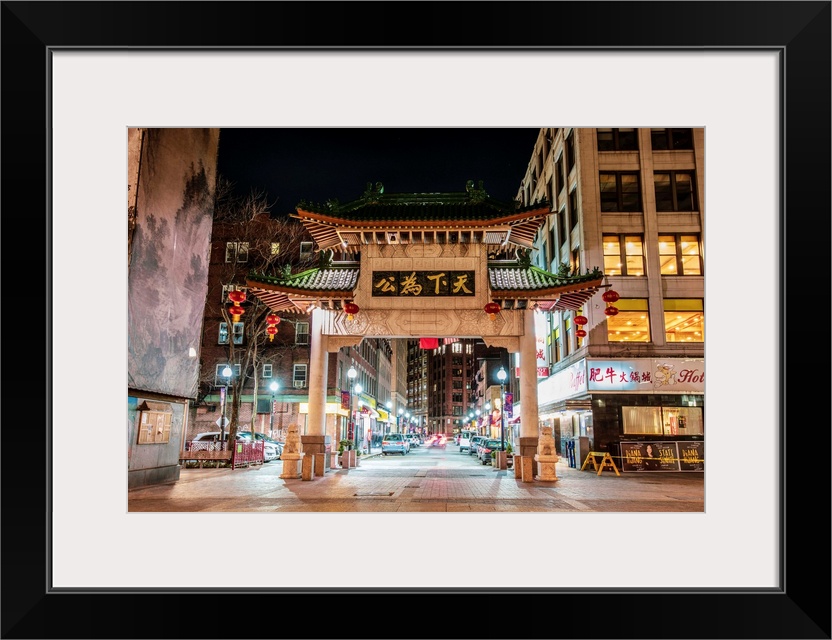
{"x": 235, "y": 309}
{"x": 492, "y": 309}
{"x": 272, "y": 320}
{"x": 609, "y": 297}
{"x": 351, "y": 309}
{"x": 581, "y": 321}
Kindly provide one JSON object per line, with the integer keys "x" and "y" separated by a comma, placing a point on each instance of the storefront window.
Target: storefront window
{"x": 667, "y": 421}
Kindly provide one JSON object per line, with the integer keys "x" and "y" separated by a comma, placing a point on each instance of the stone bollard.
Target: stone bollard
{"x": 308, "y": 467}
{"x": 320, "y": 463}
{"x": 518, "y": 467}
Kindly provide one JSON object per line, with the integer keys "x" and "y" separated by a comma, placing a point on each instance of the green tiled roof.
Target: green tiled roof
{"x": 312, "y": 280}
{"x": 515, "y": 277}
{"x": 472, "y": 205}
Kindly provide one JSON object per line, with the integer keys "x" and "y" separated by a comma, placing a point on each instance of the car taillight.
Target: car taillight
{"x": 486, "y": 450}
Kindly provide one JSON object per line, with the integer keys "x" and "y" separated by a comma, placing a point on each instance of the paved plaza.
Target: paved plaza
{"x": 421, "y": 482}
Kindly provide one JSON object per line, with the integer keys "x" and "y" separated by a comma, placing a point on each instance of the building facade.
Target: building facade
{"x": 630, "y": 201}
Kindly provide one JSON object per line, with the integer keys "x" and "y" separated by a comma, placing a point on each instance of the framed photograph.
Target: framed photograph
{"x": 76, "y": 75}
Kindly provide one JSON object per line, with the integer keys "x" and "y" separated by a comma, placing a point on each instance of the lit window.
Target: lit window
{"x": 275, "y": 248}
{"x": 623, "y": 255}
{"x": 631, "y": 324}
{"x": 223, "y": 337}
{"x": 679, "y": 255}
{"x": 684, "y": 320}
{"x": 267, "y": 371}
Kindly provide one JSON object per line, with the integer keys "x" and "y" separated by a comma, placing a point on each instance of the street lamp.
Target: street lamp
{"x": 273, "y": 386}
{"x": 351, "y": 374}
{"x": 358, "y": 390}
{"x": 226, "y": 374}
{"x": 487, "y": 407}
{"x": 501, "y": 376}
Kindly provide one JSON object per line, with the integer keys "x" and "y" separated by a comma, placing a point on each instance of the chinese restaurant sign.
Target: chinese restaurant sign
{"x": 657, "y": 375}
{"x": 423, "y": 284}
{"x": 564, "y": 384}
{"x": 663, "y": 456}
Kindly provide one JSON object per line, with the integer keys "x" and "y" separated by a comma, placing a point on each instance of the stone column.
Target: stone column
{"x": 315, "y": 440}
{"x": 528, "y": 391}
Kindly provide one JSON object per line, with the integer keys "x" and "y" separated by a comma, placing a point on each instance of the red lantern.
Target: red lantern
{"x": 492, "y": 309}
{"x": 611, "y": 311}
{"x": 351, "y": 309}
{"x": 580, "y": 333}
{"x": 272, "y": 319}
{"x": 271, "y": 330}
{"x": 610, "y": 296}
{"x": 237, "y": 296}
{"x": 581, "y": 320}
{"x": 236, "y": 311}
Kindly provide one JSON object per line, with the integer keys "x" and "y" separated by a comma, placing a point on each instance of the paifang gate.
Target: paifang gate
{"x": 424, "y": 264}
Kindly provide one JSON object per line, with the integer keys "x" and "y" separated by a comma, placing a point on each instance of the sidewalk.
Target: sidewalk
{"x": 455, "y": 485}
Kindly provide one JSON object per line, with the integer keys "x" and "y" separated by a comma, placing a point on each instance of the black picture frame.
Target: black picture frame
{"x": 800, "y": 31}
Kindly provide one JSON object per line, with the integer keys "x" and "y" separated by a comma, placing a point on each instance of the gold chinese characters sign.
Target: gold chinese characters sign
{"x": 422, "y": 284}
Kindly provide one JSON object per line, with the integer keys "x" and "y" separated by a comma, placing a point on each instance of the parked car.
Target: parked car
{"x": 414, "y": 439}
{"x": 262, "y": 436}
{"x": 487, "y": 447}
{"x": 395, "y": 443}
{"x": 270, "y": 450}
{"x": 474, "y": 444}
{"x": 464, "y": 440}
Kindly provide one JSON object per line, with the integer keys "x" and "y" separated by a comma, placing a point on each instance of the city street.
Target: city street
{"x": 425, "y": 480}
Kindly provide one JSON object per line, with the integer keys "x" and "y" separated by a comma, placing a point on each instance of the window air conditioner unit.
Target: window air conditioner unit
{"x": 299, "y": 384}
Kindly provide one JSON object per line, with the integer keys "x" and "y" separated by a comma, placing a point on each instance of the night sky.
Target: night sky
{"x": 318, "y": 164}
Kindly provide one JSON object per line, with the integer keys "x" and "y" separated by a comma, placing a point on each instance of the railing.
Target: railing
{"x": 242, "y": 454}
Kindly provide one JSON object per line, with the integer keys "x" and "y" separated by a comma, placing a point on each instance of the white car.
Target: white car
{"x": 270, "y": 450}
{"x": 465, "y": 440}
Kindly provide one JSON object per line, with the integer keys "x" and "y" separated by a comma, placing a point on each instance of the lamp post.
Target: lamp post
{"x": 273, "y": 386}
{"x": 501, "y": 376}
{"x": 358, "y": 390}
{"x": 487, "y": 407}
{"x": 351, "y": 374}
{"x": 400, "y": 420}
{"x": 226, "y": 374}
{"x": 389, "y": 406}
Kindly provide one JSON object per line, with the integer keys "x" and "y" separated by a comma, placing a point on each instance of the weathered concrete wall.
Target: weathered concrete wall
{"x": 171, "y": 181}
